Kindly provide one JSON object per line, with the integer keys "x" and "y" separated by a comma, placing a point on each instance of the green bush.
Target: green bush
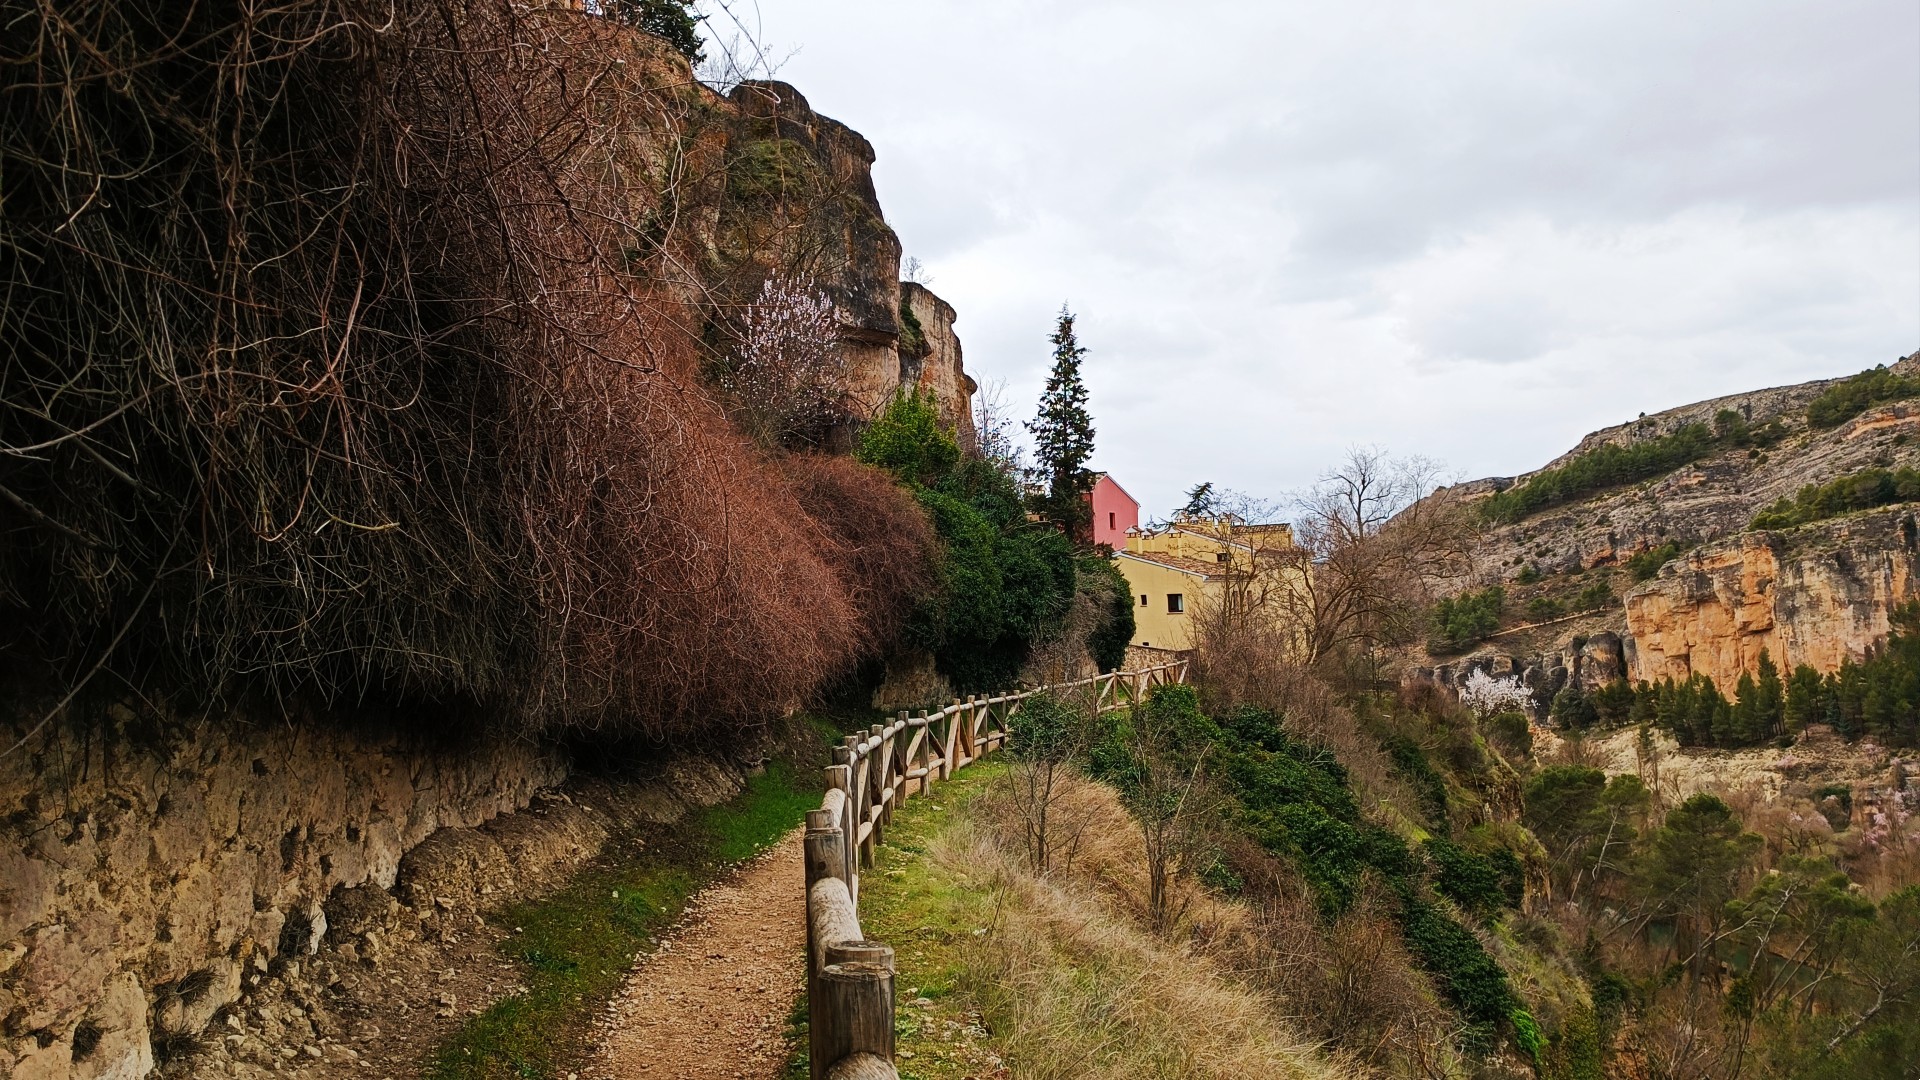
{"x": 1573, "y": 709}
{"x": 1411, "y": 763}
{"x": 1460, "y": 622}
{"x": 1544, "y": 608}
{"x": 1102, "y": 580}
{"x": 1850, "y": 397}
{"x": 1472, "y": 881}
{"x": 1044, "y": 729}
{"x": 672, "y": 20}
{"x": 1644, "y": 565}
{"x": 1598, "y": 594}
{"x": 1512, "y": 731}
{"x": 1467, "y": 977}
{"x": 910, "y": 441}
{"x": 1005, "y": 582}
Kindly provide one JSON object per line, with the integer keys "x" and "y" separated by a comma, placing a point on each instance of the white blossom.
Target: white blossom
{"x": 1486, "y": 695}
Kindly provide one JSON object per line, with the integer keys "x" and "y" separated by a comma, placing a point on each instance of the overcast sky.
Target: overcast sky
{"x": 1474, "y": 231}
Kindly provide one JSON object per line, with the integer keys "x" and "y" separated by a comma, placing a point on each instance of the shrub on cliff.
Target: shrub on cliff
{"x": 1005, "y": 582}
{"x": 1461, "y": 622}
{"x": 671, "y": 20}
{"x": 1606, "y": 466}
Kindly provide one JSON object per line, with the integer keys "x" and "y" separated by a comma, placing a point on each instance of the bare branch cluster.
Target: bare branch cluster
{"x": 356, "y": 347}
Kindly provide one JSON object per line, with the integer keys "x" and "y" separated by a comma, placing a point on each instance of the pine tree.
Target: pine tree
{"x": 673, "y": 20}
{"x": 1063, "y": 437}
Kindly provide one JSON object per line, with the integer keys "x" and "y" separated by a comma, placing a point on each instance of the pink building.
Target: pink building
{"x": 1114, "y": 512}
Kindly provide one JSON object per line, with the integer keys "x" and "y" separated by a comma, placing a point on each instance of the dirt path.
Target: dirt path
{"x": 711, "y": 1003}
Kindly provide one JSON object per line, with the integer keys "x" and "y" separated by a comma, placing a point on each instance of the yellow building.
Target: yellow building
{"x": 1213, "y": 566}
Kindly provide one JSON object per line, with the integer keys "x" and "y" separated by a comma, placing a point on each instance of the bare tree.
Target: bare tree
{"x": 1378, "y": 535}
{"x": 1048, "y": 738}
{"x": 995, "y": 429}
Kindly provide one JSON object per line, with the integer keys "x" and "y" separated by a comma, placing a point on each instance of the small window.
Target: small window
{"x": 1220, "y": 556}
{"x": 1176, "y": 603}
{"x": 1143, "y": 599}
{"x": 1111, "y": 521}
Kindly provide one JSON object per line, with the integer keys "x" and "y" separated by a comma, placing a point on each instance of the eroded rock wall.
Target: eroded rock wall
{"x": 1813, "y": 595}
{"x": 147, "y": 863}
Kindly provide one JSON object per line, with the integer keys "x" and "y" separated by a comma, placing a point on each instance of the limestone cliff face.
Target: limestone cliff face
{"x": 1814, "y": 595}
{"x": 799, "y": 199}
{"x": 1703, "y": 502}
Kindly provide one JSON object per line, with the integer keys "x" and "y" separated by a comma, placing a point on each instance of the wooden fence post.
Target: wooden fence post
{"x": 854, "y": 1014}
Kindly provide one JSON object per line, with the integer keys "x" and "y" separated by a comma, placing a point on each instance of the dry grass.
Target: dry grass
{"x": 1061, "y": 969}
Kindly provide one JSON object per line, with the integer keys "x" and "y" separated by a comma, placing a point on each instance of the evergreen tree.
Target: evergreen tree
{"x": 1063, "y": 436}
{"x": 1806, "y": 698}
{"x": 671, "y": 20}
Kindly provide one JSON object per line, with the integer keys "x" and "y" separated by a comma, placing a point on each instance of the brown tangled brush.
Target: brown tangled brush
{"x": 352, "y": 348}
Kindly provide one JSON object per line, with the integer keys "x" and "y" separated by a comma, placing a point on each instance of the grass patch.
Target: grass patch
{"x": 575, "y": 947}
{"x": 928, "y": 915}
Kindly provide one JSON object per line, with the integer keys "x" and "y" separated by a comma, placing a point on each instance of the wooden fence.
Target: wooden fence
{"x": 850, "y": 979}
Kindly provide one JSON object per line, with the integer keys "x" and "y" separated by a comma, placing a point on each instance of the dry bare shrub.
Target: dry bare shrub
{"x": 1351, "y": 982}
{"x": 880, "y": 544}
{"x": 352, "y": 349}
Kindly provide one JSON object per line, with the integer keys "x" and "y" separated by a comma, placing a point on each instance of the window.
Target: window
{"x": 1176, "y": 603}
{"x": 1220, "y": 556}
{"x": 1143, "y": 599}
{"x": 1111, "y": 519}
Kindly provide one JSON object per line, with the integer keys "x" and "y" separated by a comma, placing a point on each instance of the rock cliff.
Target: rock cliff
{"x": 799, "y": 199}
{"x": 1815, "y": 594}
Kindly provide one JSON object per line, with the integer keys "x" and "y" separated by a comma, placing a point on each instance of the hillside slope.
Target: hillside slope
{"x": 1715, "y": 590}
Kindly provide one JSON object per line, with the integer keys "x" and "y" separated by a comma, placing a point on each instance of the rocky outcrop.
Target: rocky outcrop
{"x": 930, "y": 358}
{"x": 1588, "y": 661}
{"x": 1814, "y": 595}
{"x": 799, "y": 199}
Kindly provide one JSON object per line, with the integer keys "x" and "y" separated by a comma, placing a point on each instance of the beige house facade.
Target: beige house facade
{"x": 1195, "y": 566}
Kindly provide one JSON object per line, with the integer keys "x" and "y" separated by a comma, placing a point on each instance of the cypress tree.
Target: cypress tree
{"x": 1063, "y": 437}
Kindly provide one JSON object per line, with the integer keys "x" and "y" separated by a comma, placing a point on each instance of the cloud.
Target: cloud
{"x": 1474, "y": 230}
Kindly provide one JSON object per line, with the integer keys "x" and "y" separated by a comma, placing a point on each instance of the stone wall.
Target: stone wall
{"x": 1813, "y": 595}
{"x": 147, "y": 862}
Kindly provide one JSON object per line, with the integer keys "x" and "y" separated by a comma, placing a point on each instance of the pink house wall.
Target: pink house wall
{"x": 1114, "y": 512}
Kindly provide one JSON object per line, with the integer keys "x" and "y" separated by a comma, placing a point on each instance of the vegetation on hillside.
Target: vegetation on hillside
{"x": 1463, "y": 621}
{"x": 1056, "y": 975}
{"x": 1854, "y": 395}
{"x": 1613, "y": 464}
{"x": 1863, "y": 490}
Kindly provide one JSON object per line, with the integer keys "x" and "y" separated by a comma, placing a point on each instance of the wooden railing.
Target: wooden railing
{"x": 850, "y": 979}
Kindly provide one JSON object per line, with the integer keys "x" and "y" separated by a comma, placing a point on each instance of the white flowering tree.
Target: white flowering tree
{"x": 1486, "y": 695}
{"x": 787, "y": 378}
